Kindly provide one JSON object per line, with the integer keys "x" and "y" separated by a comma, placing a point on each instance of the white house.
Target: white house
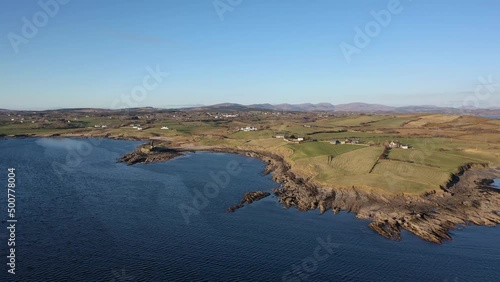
{"x": 300, "y": 139}
{"x": 164, "y": 127}
{"x": 394, "y": 144}
{"x": 248, "y": 128}
{"x": 405, "y": 147}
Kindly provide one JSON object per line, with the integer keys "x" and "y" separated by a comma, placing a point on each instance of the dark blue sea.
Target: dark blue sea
{"x": 81, "y": 216}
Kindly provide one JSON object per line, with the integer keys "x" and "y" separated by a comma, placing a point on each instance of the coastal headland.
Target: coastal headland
{"x": 426, "y": 173}
{"x": 466, "y": 198}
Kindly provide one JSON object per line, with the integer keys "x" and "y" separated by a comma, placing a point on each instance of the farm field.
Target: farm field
{"x": 439, "y": 144}
{"x": 314, "y": 149}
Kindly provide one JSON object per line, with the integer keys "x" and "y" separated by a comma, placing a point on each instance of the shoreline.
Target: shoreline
{"x": 431, "y": 216}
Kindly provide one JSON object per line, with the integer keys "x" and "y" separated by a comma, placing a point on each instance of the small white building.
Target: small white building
{"x": 394, "y": 144}
{"x": 165, "y": 127}
{"x": 406, "y": 147}
{"x": 248, "y": 128}
{"x": 300, "y": 139}
{"x": 279, "y": 136}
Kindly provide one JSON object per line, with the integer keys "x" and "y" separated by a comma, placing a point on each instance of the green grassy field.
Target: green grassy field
{"x": 440, "y": 144}
{"x": 391, "y": 122}
{"x": 365, "y": 136}
{"x": 314, "y": 149}
{"x": 351, "y": 164}
{"x": 355, "y": 120}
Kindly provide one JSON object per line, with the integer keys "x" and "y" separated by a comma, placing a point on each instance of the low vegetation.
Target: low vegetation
{"x": 438, "y": 144}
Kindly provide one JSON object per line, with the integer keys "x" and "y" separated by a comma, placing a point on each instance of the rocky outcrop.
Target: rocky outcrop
{"x": 144, "y": 154}
{"x": 430, "y": 216}
{"x": 465, "y": 199}
{"x": 249, "y": 198}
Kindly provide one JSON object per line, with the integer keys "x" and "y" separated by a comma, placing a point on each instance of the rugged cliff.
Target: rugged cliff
{"x": 465, "y": 199}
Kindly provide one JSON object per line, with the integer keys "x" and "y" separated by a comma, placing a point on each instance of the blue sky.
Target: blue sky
{"x": 92, "y": 53}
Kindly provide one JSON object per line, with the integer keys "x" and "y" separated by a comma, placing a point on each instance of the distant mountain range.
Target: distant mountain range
{"x": 306, "y": 107}
{"x": 351, "y": 107}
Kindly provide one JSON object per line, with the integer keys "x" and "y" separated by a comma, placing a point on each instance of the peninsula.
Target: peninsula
{"x": 426, "y": 173}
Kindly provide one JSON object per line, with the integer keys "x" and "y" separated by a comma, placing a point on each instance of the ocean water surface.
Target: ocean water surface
{"x": 84, "y": 217}
{"x": 496, "y": 183}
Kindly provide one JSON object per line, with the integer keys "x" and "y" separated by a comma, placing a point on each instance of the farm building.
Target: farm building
{"x": 394, "y": 144}
{"x": 351, "y": 141}
{"x": 248, "y": 128}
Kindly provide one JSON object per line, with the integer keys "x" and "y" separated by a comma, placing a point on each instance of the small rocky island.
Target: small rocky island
{"x": 149, "y": 153}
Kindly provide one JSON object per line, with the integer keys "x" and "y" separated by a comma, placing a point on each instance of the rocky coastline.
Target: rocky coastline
{"x": 466, "y": 199}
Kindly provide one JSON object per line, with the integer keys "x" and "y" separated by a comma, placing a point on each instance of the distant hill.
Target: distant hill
{"x": 221, "y": 107}
{"x": 322, "y": 107}
{"x": 305, "y": 107}
{"x": 308, "y": 107}
{"x": 363, "y": 107}
{"x": 351, "y": 107}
